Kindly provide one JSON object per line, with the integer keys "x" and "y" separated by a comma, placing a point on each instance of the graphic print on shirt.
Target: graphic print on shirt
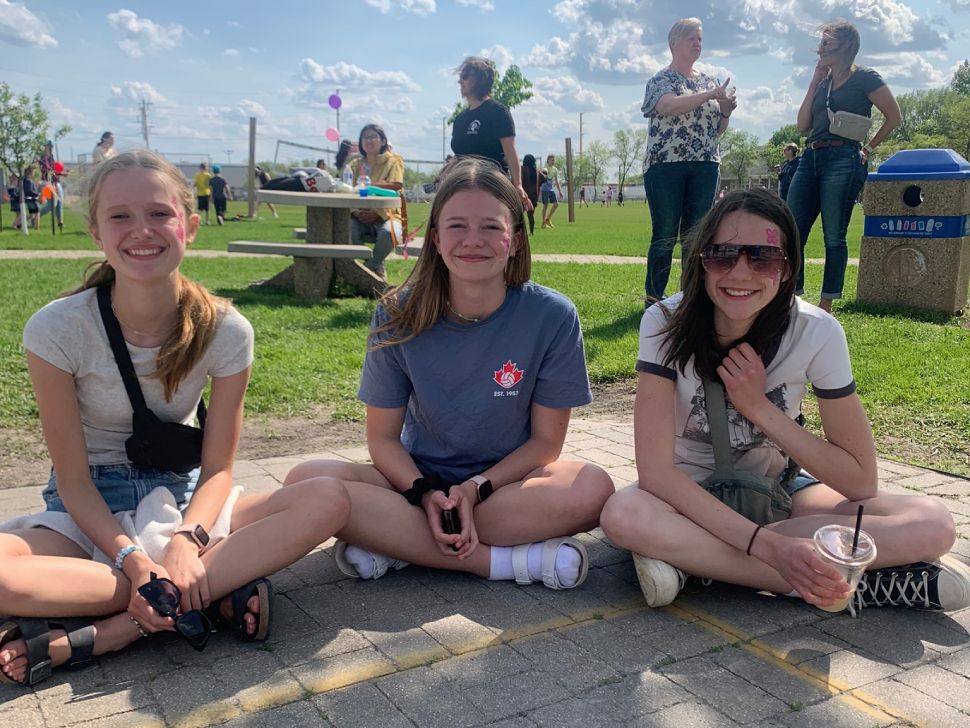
{"x": 507, "y": 377}
{"x": 742, "y": 434}
{"x": 474, "y": 127}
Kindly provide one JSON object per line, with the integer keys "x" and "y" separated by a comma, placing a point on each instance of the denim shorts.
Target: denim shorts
{"x": 549, "y": 197}
{"x": 802, "y": 480}
{"x": 123, "y": 486}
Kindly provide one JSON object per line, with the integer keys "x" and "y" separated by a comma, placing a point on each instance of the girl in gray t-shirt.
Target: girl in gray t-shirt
{"x": 111, "y": 525}
{"x": 739, "y": 324}
{"x": 469, "y": 379}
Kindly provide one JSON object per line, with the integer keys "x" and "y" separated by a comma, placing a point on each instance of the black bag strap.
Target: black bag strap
{"x": 717, "y": 421}
{"x": 123, "y": 359}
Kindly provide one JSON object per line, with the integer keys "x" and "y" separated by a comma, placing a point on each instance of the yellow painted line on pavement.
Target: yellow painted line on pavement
{"x": 843, "y": 691}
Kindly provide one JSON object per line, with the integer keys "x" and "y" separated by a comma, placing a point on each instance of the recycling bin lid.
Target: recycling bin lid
{"x": 925, "y": 164}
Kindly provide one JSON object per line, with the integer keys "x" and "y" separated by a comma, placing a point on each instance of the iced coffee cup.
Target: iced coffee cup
{"x": 833, "y": 544}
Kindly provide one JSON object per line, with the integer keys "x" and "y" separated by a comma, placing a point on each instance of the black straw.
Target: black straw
{"x": 858, "y": 527}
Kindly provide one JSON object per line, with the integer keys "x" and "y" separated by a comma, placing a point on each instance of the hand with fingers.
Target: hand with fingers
{"x": 139, "y": 610}
{"x": 185, "y": 568}
{"x": 818, "y": 583}
{"x": 461, "y": 544}
{"x": 744, "y": 377}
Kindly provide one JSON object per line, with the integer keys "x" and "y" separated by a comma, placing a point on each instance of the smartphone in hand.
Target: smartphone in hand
{"x": 450, "y": 523}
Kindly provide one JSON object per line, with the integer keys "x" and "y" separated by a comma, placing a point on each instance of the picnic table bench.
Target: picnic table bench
{"x": 327, "y": 250}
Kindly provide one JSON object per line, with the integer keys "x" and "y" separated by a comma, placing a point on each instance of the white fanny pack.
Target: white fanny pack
{"x": 845, "y": 123}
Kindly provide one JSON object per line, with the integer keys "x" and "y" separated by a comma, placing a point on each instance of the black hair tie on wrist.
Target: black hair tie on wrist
{"x": 747, "y": 551}
{"x": 422, "y": 485}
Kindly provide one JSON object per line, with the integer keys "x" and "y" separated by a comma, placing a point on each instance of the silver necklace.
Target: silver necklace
{"x": 469, "y": 319}
{"x": 135, "y": 331}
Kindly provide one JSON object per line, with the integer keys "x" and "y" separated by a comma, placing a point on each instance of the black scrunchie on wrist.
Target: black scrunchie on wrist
{"x": 423, "y": 485}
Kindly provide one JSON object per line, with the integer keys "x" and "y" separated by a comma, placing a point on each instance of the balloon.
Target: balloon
{"x": 58, "y": 168}
{"x": 334, "y": 101}
{"x": 332, "y": 134}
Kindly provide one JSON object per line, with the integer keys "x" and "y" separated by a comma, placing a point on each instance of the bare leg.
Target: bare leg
{"x": 905, "y": 528}
{"x": 555, "y": 206}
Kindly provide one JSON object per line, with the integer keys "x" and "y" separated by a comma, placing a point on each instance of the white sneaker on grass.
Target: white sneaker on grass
{"x": 659, "y": 581}
{"x": 942, "y": 585}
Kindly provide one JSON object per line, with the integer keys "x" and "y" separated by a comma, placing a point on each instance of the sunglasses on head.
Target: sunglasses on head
{"x": 762, "y": 259}
{"x": 165, "y": 598}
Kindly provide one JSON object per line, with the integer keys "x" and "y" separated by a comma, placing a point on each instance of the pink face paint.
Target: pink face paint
{"x": 771, "y": 236}
{"x": 506, "y": 243}
{"x": 180, "y": 216}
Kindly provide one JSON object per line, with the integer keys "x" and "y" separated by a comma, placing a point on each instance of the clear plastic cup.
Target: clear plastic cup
{"x": 833, "y": 544}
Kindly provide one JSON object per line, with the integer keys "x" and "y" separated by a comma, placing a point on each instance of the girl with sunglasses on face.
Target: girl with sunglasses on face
{"x": 737, "y": 335}
{"x": 112, "y": 526}
{"x": 469, "y": 378}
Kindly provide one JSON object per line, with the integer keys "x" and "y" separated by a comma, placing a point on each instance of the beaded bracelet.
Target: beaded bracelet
{"x": 124, "y": 554}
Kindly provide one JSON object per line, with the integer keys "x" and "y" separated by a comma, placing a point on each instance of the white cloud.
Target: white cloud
{"x": 909, "y": 69}
{"x": 232, "y": 23}
{"x": 343, "y": 75}
{"x": 135, "y": 91}
{"x": 484, "y": 5}
{"x": 19, "y": 26}
{"x": 555, "y": 52}
{"x": 501, "y": 55}
{"x": 231, "y": 53}
{"x": 567, "y": 93}
{"x": 418, "y": 7}
{"x": 142, "y": 34}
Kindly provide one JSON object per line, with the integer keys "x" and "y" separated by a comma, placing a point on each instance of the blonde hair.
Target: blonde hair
{"x": 847, "y": 36}
{"x": 681, "y": 29}
{"x": 198, "y": 310}
{"x": 420, "y": 302}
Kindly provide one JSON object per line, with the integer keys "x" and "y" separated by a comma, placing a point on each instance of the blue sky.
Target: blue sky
{"x": 206, "y": 67}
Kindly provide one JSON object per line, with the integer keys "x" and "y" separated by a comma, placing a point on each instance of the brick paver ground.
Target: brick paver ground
{"x": 425, "y": 648}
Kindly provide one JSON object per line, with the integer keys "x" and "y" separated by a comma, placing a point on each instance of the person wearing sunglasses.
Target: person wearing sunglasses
{"x": 834, "y": 167}
{"x": 384, "y": 168}
{"x": 731, "y": 486}
{"x": 485, "y": 128}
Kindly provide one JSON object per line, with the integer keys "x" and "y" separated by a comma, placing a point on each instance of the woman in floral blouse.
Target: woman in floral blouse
{"x": 688, "y": 111}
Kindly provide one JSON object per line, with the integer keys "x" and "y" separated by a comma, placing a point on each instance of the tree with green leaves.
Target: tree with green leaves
{"x": 24, "y": 129}
{"x": 739, "y": 151}
{"x": 961, "y": 79}
{"x": 510, "y": 90}
{"x": 772, "y": 150}
{"x": 628, "y": 149}
{"x": 591, "y": 167}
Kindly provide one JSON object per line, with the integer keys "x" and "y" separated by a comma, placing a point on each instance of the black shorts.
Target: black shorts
{"x": 220, "y": 205}
{"x": 202, "y": 203}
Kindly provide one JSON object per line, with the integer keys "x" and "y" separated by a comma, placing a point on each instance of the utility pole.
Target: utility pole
{"x": 580, "y": 134}
{"x": 229, "y": 155}
{"x": 338, "y": 112}
{"x": 143, "y": 108}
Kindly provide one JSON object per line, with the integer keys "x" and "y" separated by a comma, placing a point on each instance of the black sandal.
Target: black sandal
{"x": 36, "y": 633}
{"x": 261, "y": 588}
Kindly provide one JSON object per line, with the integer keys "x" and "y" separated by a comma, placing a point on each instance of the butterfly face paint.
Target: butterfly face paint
{"x": 771, "y": 236}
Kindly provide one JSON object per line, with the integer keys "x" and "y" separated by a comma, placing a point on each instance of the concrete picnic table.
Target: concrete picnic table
{"x": 327, "y": 248}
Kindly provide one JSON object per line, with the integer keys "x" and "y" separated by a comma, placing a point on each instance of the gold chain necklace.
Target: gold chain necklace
{"x": 469, "y": 319}
{"x": 132, "y": 329}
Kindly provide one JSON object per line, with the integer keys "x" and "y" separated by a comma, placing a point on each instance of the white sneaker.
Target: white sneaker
{"x": 659, "y": 581}
{"x": 381, "y": 563}
{"x": 943, "y": 585}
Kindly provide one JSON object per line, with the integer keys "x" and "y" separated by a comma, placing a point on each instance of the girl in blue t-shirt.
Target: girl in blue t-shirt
{"x": 469, "y": 378}
{"x": 739, "y": 323}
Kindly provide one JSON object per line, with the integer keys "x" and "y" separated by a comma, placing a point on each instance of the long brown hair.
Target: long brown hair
{"x": 420, "y": 302}
{"x": 690, "y": 329}
{"x": 198, "y": 310}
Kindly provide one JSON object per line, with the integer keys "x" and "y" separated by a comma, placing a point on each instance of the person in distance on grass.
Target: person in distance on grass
{"x": 203, "y": 189}
{"x": 738, "y": 333}
{"x": 113, "y": 525}
{"x": 470, "y": 374}
{"x": 221, "y": 193}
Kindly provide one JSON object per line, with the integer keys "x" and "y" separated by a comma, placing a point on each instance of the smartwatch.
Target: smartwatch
{"x": 483, "y": 485}
{"x": 196, "y": 533}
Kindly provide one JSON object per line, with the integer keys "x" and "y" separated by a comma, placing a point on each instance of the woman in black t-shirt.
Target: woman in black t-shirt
{"x": 485, "y": 128}
{"x": 833, "y": 167}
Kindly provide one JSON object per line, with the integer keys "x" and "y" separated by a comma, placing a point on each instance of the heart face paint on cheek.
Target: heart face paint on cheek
{"x": 180, "y": 216}
{"x": 506, "y": 243}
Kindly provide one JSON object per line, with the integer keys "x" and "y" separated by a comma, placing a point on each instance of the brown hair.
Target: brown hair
{"x": 690, "y": 329}
{"x": 791, "y": 147}
{"x": 480, "y": 69}
{"x": 198, "y": 310}
{"x": 420, "y": 302}
{"x": 847, "y": 36}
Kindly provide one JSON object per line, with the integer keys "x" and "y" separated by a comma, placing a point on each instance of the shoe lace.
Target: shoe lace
{"x": 892, "y": 588}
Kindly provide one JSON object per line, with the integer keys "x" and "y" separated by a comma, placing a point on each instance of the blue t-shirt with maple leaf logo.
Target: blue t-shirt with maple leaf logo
{"x": 469, "y": 387}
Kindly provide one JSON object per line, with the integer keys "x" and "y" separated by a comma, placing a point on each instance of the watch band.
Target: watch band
{"x": 196, "y": 532}
{"x": 483, "y": 485}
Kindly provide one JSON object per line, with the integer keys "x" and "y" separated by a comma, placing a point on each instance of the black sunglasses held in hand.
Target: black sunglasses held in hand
{"x": 762, "y": 259}
{"x": 165, "y": 598}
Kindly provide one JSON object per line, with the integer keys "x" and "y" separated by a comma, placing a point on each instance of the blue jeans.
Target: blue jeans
{"x": 380, "y": 235}
{"x": 679, "y": 194}
{"x": 827, "y": 181}
{"x": 123, "y": 486}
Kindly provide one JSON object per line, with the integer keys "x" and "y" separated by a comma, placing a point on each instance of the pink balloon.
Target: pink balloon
{"x": 332, "y": 134}
{"x": 334, "y": 101}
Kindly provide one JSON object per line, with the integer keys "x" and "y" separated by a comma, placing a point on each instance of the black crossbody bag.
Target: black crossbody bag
{"x": 758, "y": 498}
{"x": 153, "y": 443}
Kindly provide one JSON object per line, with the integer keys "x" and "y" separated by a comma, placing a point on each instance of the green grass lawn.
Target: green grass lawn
{"x": 911, "y": 369}
{"x": 597, "y": 230}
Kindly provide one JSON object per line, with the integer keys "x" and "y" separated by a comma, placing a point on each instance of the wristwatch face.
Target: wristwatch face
{"x": 200, "y": 536}
{"x": 484, "y": 490}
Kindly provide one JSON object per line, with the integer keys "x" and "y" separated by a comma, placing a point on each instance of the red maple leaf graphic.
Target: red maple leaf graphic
{"x": 509, "y": 375}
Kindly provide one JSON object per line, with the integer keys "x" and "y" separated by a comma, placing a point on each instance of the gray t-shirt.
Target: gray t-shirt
{"x": 69, "y": 334}
{"x": 812, "y": 349}
{"x": 469, "y": 388}
{"x": 851, "y": 96}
